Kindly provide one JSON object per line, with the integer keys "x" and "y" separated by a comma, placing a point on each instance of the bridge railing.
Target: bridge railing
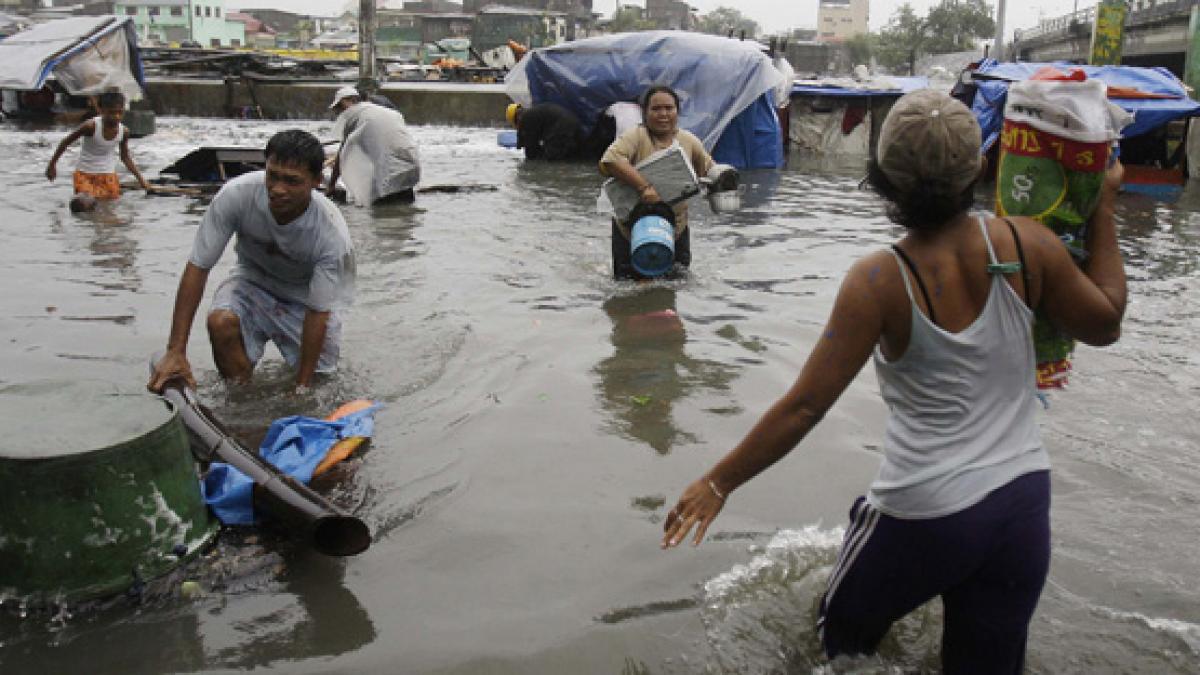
{"x": 1057, "y": 26}
{"x": 1141, "y": 13}
{"x": 1159, "y": 11}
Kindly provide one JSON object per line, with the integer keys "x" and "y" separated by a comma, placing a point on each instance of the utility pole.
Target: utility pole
{"x": 368, "y": 79}
{"x": 998, "y": 43}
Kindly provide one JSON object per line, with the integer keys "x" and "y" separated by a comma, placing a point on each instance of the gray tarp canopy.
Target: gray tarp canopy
{"x": 86, "y": 54}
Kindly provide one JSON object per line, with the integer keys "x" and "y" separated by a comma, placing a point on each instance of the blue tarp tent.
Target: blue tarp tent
{"x": 752, "y": 140}
{"x": 992, "y": 79}
{"x": 836, "y": 89}
{"x": 718, "y": 79}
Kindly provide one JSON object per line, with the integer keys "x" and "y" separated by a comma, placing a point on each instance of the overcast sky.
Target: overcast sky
{"x": 779, "y": 15}
{"x": 772, "y": 15}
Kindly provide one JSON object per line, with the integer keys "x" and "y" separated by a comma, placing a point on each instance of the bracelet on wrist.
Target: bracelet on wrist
{"x": 713, "y": 486}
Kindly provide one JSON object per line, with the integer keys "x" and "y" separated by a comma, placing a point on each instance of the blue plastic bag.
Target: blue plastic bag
{"x": 295, "y": 445}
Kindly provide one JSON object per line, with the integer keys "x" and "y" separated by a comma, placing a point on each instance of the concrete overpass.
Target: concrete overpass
{"x": 1157, "y": 33}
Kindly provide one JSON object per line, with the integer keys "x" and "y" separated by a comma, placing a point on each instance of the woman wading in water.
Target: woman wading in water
{"x": 659, "y": 130}
{"x": 960, "y": 507}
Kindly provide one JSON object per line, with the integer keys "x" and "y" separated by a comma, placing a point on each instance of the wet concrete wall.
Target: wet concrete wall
{"x": 421, "y": 102}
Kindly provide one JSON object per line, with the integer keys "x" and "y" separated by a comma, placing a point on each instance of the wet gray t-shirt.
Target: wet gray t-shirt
{"x": 309, "y": 260}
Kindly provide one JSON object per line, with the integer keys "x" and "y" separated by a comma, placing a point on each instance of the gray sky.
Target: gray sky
{"x": 772, "y": 15}
{"x": 778, "y": 15}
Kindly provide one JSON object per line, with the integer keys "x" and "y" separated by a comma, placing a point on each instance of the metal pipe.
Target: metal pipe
{"x": 279, "y": 496}
{"x": 368, "y": 77}
{"x": 998, "y": 46}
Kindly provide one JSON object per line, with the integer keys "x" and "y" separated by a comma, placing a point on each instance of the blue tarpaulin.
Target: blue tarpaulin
{"x": 992, "y": 79}
{"x": 295, "y": 445}
{"x": 752, "y": 139}
{"x": 717, "y": 79}
{"x": 831, "y": 88}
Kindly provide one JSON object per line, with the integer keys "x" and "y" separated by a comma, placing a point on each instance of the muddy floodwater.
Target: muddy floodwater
{"x": 539, "y": 419}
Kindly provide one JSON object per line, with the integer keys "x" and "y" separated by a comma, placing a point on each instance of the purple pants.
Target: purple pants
{"x": 987, "y": 562}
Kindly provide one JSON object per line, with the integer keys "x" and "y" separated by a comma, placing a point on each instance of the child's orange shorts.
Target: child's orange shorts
{"x": 98, "y": 185}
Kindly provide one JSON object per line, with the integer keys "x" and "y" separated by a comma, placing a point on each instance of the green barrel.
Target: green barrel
{"x": 98, "y": 490}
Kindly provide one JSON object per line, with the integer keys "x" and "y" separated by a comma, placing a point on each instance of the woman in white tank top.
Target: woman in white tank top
{"x": 960, "y": 507}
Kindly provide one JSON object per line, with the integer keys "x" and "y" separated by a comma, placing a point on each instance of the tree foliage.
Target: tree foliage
{"x": 726, "y": 20}
{"x": 900, "y": 39}
{"x": 951, "y": 26}
{"x": 627, "y": 19}
{"x": 862, "y": 47}
{"x": 955, "y": 25}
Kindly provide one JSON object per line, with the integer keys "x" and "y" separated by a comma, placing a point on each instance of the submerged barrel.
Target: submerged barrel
{"x": 652, "y": 244}
{"x": 98, "y": 491}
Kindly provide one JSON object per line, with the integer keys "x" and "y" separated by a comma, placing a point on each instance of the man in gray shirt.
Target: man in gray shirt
{"x": 295, "y": 270}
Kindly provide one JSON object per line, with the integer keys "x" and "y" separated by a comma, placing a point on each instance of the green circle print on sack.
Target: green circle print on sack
{"x": 1029, "y": 186}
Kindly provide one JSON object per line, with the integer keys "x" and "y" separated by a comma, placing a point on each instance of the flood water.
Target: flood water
{"x": 539, "y": 419}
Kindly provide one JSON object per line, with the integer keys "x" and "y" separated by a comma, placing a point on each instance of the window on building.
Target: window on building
{"x": 176, "y": 11}
{"x": 208, "y": 11}
{"x": 131, "y": 11}
{"x": 217, "y": 11}
{"x": 153, "y": 11}
{"x": 197, "y": 10}
{"x": 215, "y": 42}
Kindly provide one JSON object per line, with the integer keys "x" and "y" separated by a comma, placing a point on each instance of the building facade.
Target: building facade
{"x": 579, "y": 8}
{"x": 840, "y": 20}
{"x": 433, "y": 6}
{"x": 179, "y": 21}
{"x": 258, "y": 34}
{"x": 670, "y": 14}
{"x": 496, "y": 25}
{"x": 291, "y": 29}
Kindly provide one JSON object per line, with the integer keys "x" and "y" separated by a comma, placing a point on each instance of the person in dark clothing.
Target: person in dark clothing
{"x": 546, "y": 131}
{"x": 603, "y": 133}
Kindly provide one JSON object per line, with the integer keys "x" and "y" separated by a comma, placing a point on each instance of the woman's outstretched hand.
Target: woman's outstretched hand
{"x": 697, "y": 507}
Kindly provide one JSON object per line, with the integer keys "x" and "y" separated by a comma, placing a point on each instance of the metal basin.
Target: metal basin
{"x": 98, "y": 491}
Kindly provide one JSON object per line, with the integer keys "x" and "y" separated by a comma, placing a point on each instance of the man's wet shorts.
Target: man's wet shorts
{"x": 98, "y": 185}
{"x": 265, "y": 317}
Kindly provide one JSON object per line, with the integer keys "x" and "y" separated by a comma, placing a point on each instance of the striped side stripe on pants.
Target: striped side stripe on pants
{"x": 864, "y": 519}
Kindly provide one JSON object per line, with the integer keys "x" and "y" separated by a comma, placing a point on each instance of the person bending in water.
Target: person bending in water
{"x": 546, "y": 131}
{"x": 659, "y": 130}
{"x": 960, "y": 507}
{"x": 103, "y": 137}
{"x": 294, "y": 273}
{"x": 376, "y": 138}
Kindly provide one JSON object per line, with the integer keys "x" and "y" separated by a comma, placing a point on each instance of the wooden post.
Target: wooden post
{"x": 1191, "y": 71}
{"x": 1108, "y": 34}
{"x": 368, "y": 79}
{"x": 1191, "y": 77}
{"x": 998, "y": 46}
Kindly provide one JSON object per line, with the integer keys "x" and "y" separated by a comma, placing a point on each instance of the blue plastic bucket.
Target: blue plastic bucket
{"x": 507, "y": 139}
{"x": 653, "y": 246}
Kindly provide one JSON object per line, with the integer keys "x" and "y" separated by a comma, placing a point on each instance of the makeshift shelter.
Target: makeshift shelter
{"x": 85, "y": 54}
{"x": 726, "y": 87}
{"x": 842, "y": 115}
{"x": 1154, "y": 95}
